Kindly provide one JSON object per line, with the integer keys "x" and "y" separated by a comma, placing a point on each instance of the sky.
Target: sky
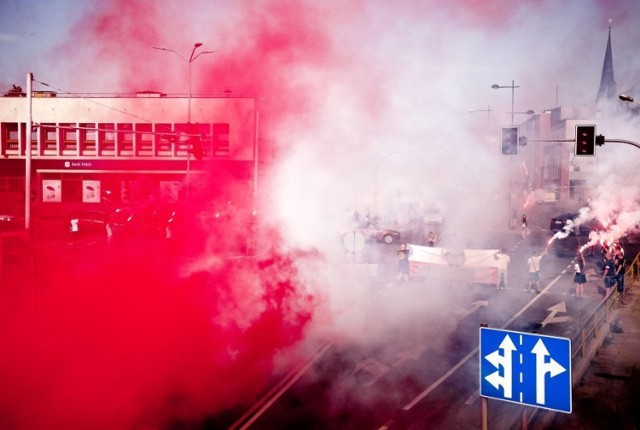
{"x": 368, "y": 104}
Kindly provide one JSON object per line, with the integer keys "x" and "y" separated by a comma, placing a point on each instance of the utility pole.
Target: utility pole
{"x": 27, "y": 155}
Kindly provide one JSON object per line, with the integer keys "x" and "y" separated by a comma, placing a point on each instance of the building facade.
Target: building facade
{"x": 548, "y": 161}
{"x": 101, "y": 150}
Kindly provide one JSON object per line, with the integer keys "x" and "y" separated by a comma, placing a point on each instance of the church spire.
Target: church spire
{"x": 607, "y": 82}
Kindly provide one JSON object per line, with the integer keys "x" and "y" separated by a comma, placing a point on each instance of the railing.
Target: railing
{"x": 589, "y": 337}
{"x": 592, "y": 331}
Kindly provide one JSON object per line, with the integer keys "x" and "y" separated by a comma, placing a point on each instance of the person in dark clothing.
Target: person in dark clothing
{"x": 579, "y": 278}
{"x": 431, "y": 239}
{"x": 403, "y": 263}
{"x": 620, "y": 264}
{"x": 609, "y": 272}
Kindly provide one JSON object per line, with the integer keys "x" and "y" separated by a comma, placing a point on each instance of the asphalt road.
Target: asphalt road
{"x": 422, "y": 372}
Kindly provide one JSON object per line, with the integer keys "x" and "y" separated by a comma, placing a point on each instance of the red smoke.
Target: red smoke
{"x": 127, "y": 343}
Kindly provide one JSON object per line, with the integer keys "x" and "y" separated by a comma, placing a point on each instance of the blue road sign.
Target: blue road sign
{"x": 526, "y": 368}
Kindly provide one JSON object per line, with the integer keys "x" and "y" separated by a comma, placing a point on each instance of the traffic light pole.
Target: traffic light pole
{"x": 628, "y": 142}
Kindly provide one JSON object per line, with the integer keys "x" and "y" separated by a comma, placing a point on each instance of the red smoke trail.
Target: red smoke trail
{"x": 132, "y": 345}
{"x": 129, "y": 344}
{"x": 139, "y": 347}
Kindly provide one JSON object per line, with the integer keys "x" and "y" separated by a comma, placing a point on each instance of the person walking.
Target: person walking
{"x": 534, "y": 270}
{"x": 109, "y": 232}
{"x": 403, "y": 263}
{"x": 502, "y": 263}
{"x": 74, "y": 229}
{"x": 620, "y": 264}
{"x": 431, "y": 239}
{"x": 579, "y": 277}
{"x": 524, "y": 225}
{"x": 608, "y": 272}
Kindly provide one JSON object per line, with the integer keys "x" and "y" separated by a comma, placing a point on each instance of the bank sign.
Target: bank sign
{"x": 529, "y": 369}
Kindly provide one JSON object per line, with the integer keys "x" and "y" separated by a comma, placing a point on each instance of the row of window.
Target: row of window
{"x": 115, "y": 140}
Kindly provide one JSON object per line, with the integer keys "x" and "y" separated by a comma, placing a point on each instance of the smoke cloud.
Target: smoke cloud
{"x": 363, "y": 105}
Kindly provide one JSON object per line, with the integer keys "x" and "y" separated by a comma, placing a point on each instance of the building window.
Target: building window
{"x": 220, "y": 138}
{"x": 144, "y": 139}
{"x": 204, "y": 133}
{"x": 69, "y": 139}
{"x": 88, "y": 138}
{"x": 50, "y": 142}
{"x": 164, "y": 137}
{"x": 183, "y": 133}
{"x": 125, "y": 139}
{"x": 34, "y": 139}
{"x": 106, "y": 139}
{"x": 10, "y": 138}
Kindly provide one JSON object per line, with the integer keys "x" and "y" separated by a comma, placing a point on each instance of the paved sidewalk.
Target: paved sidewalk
{"x": 607, "y": 395}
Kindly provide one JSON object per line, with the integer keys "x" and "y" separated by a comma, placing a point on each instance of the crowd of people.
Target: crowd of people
{"x": 613, "y": 263}
{"x": 614, "y": 268}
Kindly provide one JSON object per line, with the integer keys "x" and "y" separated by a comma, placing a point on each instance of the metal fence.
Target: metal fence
{"x": 589, "y": 336}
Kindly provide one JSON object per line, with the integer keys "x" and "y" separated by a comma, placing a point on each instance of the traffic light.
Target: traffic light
{"x": 510, "y": 140}
{"x": 585, "y": 140}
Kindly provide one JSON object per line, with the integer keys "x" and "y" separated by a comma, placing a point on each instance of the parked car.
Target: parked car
{"x": 561, "y": 221}
{"x": 372, "y": 232}
{"x": 89, "y": 223}
{"x": 142, "y": 221}
{"x": 10, "y": 222}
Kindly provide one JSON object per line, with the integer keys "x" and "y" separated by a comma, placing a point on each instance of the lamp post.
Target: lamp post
{"x": 488, "y": 110}
{"x": 190, "y": 60}
{"x": 513, "y": 86}
{"x": 27, "y": 155}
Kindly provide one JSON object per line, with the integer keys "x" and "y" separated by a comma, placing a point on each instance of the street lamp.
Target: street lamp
{"x": 191, "y": 59}
{"x": 488, "y": 110}
{"x": 513, "y": 87}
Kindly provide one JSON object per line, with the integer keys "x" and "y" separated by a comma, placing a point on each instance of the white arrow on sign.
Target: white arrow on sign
{"x": 553, "y": 368}
{"x": 504, "y": 360}
{"x": 552, "y": 318}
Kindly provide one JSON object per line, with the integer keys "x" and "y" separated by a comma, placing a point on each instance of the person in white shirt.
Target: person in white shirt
{"x": 502, "y": 263}
{"x": 534, "y": 270}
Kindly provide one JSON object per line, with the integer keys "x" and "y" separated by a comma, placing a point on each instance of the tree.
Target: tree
{"x": 15, "y": 91}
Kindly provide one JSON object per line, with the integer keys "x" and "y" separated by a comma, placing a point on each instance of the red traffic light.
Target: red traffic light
{"x": 586, "y": 140}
